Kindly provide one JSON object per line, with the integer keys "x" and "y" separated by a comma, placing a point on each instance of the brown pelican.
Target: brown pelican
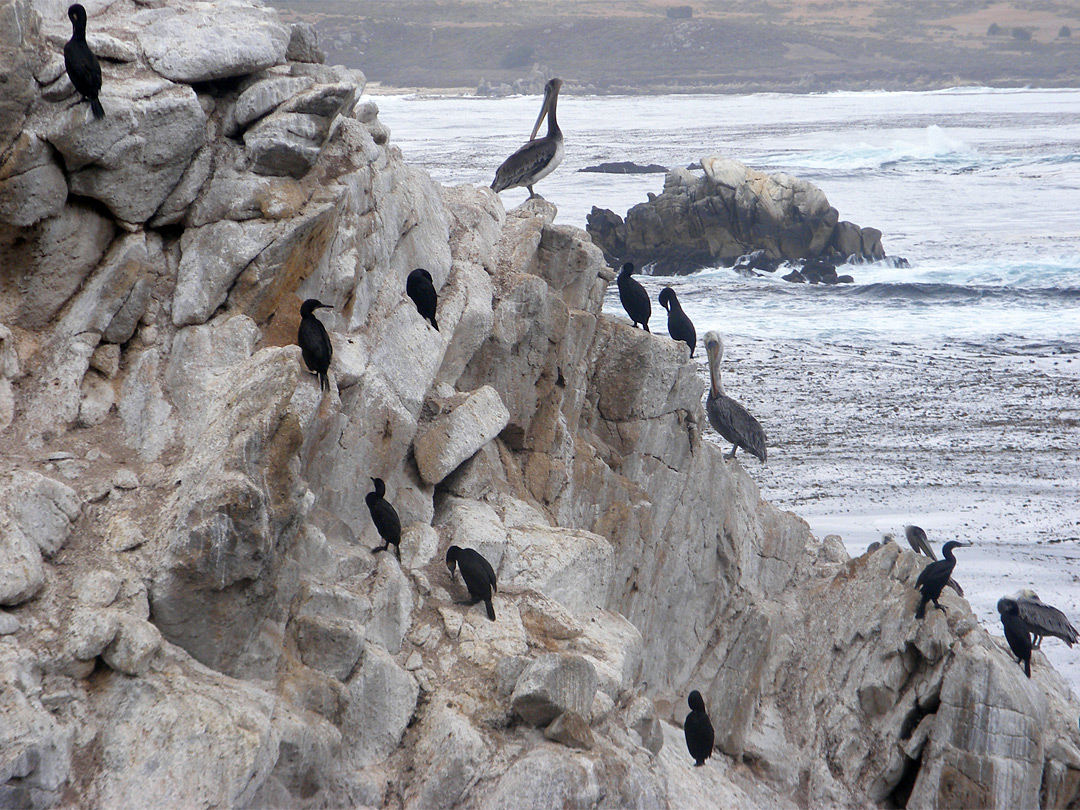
{"x": 916, "y": 538}
{"x": 1038, "y": 618}
{"x": 540, "y": 156}
{"x": 728, "y": 417}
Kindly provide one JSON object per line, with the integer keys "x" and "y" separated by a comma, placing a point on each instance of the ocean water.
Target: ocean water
{"x": 944, "y": 392}
{"x": 975, "y": 188}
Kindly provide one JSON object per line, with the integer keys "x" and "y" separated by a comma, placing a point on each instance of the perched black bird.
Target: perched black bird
{"x": 698, "y": 730}
{"x": 82, "y": 66}
{"x": 634, "y": 298}
{"x": 477, "y": 572}
{"x": 385, "y": 518}
{"x": 1040, "y": 619}
{"x": 420, "y": 288}
{"x": 314, "y": 342}
{"x": 1016, "y": 632}
{"x": 935, "y": 576}
{"x": 678, "y": 325}
{"x": 916, "y": 538}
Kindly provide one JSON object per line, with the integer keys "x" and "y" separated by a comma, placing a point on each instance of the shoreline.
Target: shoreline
{"x": 966, "y": 442}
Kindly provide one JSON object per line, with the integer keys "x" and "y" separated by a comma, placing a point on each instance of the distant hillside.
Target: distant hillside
{"x": 791, "y": 45}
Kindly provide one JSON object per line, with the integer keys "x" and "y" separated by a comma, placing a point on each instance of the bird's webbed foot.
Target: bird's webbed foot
{"x": 734, "y": 447}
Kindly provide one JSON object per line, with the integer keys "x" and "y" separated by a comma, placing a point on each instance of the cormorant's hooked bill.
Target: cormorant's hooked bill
{"x": 315, "y": 342}
{"x": 385, "y": 518}
{"x": 698, "y": 730}
{"x": 82, "y": 66}
{"x": 728, "y": 418}
{"x": 633, "y": 297}
{"x": 421, "y": 289}
{"x": 540, "y": 156}
{"x": 678, "y": 324}
{"x": 935, "y": 576}
{"x": 478, "y": 574}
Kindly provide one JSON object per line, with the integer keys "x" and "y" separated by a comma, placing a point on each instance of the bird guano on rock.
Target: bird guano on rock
{"x": 540, "y": 156}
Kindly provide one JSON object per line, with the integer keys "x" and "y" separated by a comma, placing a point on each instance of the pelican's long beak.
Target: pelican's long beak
{"x": 548, "y": 93}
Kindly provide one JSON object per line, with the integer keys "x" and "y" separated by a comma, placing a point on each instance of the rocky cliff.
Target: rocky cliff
{"x": 192, "y": 612}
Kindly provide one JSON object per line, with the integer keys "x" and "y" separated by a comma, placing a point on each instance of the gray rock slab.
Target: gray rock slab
{"x": 552, "y": 684}
{"x": 211, "y": 258}
{"x": 381, "y": 700}
{"x": 457, "y": 433}
{"x": 43, "y": 508}
{"x": 135, "y": 645}
{"x": 572, "y": 730}
{"x": 132, "y": 159}
{"x": 199, "y": 46}
{"x": 32, "y": 184}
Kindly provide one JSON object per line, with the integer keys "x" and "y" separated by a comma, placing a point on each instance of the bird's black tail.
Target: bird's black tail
{"x": 490, "y": 609}
{"x": 434, "y": 324}
{"x": 1027, "y": 667}
{"x": 96, "y": 108}
{"x": 324, "y": 381}
{"x": 921, "y": 610}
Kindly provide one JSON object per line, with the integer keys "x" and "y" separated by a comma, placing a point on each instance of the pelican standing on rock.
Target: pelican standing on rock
{"x": 540, "y": 156}
{"x": 728, "y": 418}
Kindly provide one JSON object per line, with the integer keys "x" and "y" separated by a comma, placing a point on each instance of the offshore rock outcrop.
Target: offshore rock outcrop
{"x": 191, "y": 610}
{"x": 732, "y": 211}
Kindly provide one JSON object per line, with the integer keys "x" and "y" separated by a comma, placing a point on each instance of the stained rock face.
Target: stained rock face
{"x": 192, "y": 606}
{"x": 731, "y": 211}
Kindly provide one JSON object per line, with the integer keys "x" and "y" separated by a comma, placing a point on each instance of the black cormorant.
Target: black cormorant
{"x": 678, "y": 325}
{"x": 421, "y": 289}
{"x": 935, "y": 576}
{"x": 633, "y": 296}
{"x": 1039, "y": 618}
{"x": 478, "y": 574}
{"x": 82, "y": 66}
{"x": 1016, "y": 632}
{"x": 728, "y": 418}
{"x": 385, "y": 518}
{"x": 918, "y": 541}
{"x": 314, "y": 342}
{"x": 540, "y": 156}
{"x": 698, "y": 730}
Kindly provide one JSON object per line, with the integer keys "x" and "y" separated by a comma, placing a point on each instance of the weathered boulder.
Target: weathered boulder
{"x": 133, "y": 159}
{"x": 200, "y": 46}
{"x": 463, "y": 425}
{"x": 705, "y": 221}
{"x": 553, "y": 684}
